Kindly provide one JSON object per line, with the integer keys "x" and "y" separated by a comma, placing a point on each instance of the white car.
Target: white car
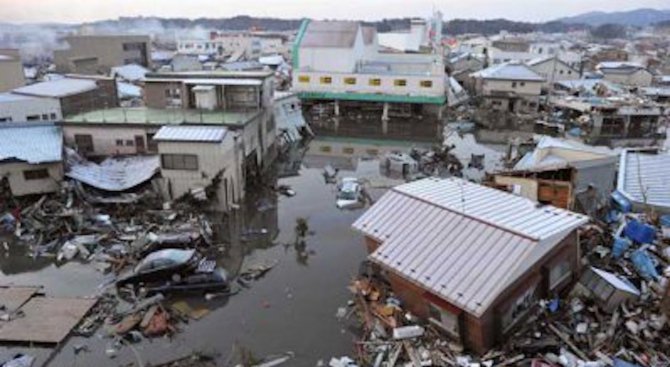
{"x": 349, "y": 193}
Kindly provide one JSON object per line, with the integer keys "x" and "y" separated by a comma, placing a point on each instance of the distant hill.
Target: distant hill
{"x": 639, "y": 17}
{"x": 452, "y": 27}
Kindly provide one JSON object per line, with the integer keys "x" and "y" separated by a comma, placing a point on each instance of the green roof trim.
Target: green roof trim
{"x": 369, "y": 97}
{"x": 295, "y": 53}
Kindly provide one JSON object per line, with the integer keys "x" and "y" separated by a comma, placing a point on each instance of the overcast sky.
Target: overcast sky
{"x": 75, "y": 11}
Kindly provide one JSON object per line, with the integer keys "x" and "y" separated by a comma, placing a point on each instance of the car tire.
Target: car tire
{"x": 176, "y": 277}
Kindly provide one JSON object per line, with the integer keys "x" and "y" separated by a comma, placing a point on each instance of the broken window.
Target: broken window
{"x": 186, "y": 162}
{"x": 444, "y": 319}
{"x": 119, "y": 142}
{"x": 36, "y": 174}
{"x": 84, "y": 142}
{"x": 518, "y": 308}
{"x": 559, "y": 273}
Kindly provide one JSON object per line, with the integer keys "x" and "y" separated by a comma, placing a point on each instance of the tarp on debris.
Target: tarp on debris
{"x": 113, "y": 174}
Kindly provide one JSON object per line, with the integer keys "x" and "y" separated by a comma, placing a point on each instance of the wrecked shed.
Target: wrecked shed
{"x": 30, "y": 158}
{"x": 470, "y": 259}
{"x": 643, "y": 179}
{"x": 610, "y": 290}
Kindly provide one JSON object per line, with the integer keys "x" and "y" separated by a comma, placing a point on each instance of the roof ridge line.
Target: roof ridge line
{"x": 470, "y": 216}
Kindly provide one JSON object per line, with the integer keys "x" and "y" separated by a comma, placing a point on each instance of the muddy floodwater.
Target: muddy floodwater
{"x": 291, "y": 309}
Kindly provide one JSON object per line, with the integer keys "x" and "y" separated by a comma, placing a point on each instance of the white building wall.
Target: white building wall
{"x": 20, "y": 109}
{"x": 526, "y": 88}
{"x": 328, "y": 59}
{"x": 640, "y": 78}
{"x": 212, "y": 159}
{"x": 413, "y": 84}
{"x": 554, "y": 70}
{"x": 20, "y": 186}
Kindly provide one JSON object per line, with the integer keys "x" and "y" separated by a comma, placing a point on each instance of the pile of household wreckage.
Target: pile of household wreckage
{"x": 151, "y": 252}
{"x": 615, "y": 315}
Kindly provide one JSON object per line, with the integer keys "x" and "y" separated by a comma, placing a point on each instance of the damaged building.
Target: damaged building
{"x": 611, "y": 120}
{"x": 439, "y": 243}
{"x": 195, "y": 157}
{"x": 643, "y": 179}
{"x": 563, "y": 173}
{"x": 341, "y": 72}
{"x": 30, "y": 158}
{"x": 239, "y": 101}
{"x": 75, "y": 93}
{"x": 509, "y": 87}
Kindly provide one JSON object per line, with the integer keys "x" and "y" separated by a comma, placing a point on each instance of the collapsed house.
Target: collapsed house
{"x": 440, "y": 240}
{"x": 643, "y": 179}
{"x": 30, "y": 158}
{"x": 611, "y": 120}
{"x": 564, "y": 173}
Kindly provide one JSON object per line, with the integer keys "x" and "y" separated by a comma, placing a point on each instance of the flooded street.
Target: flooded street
{"x": 292, "y": 308}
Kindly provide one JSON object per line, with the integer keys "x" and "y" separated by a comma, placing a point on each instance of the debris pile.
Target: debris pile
{"x": 615, "y": 315}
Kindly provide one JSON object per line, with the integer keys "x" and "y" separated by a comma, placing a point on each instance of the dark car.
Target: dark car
{"x": 161, "y": 266}
{"x": 213, "y": 281}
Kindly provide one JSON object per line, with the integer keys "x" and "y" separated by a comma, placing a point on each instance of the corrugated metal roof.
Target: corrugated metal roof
{"x": 113, "y": 174}
{"x": 509, "y": 71}
{"x": 462, "y": 241}
{"x": 57, "y": 88}
{"x": 644, "y": 174}
{"x": 191, "y": 133}
{"x": 31, "y": 142}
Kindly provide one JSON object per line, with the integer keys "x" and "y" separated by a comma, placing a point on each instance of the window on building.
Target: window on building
{"x": 36, "y": 174}
{"x": 372, "y": 152}
{"x": 152, "y": 146}
{"x": 130, "y": 143}
{"x": 559, "y": 273}
{"x": 119, "y": 142}
{"x": 569, "y": 72}
{"x": 45, "y": 117}
{"x": 444, "y": 319}
{"x": 53, "y": 116}
{"x": 561, "y": 72}
{"x": 84, "y": 142}
{"x": 6, "y": 119}
{"x": 33, "y": 118}
{"x": 513, "y": 84}
{"x": 400, "y": 82}
{"x": 522, "y": 84}
{"x": 325, "y": 149}
{"x": 185, "y": 162}
{"x": 518, "y": 308}
{"x": 375, "y": 82}
{"x": 426, "y": 83}
{"x": 303, "y": 79}
{"x": 326, "y": 80}
{"x": 347, "y": 150}
{"x": 350, "y": 81}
